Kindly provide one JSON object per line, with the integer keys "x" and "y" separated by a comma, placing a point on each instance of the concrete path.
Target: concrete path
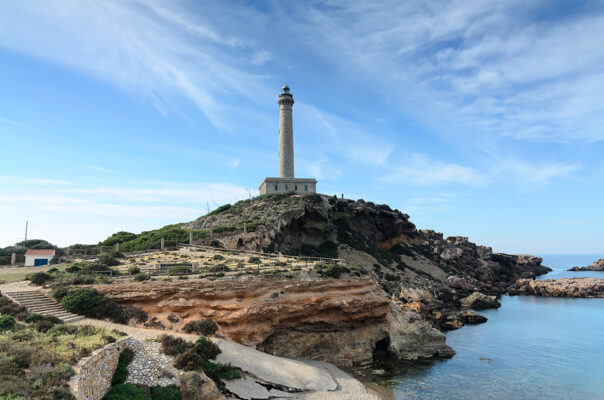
{"x": 277, "y": 370}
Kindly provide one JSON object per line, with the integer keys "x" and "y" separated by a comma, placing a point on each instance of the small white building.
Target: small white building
{"x": 38, "y": 257}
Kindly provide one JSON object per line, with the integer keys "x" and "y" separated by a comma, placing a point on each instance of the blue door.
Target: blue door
{"x": 40, "y": 261}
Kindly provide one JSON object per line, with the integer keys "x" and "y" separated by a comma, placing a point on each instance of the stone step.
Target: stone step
{"x": 36, "y": 302}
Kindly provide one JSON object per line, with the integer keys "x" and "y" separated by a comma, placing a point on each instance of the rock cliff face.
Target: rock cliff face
{"x": 573, "y": 287}
{"x": 337, "y": 320}
{"x": 384, "y": 243}
{"x": 596, "y": 266}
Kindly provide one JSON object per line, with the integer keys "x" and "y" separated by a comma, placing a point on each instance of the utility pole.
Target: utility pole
{"x": 208, "y": 207}
{"x": 26, "y": 223}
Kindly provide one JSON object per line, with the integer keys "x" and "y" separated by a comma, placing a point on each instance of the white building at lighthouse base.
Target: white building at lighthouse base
{"x": 284, "y": 185}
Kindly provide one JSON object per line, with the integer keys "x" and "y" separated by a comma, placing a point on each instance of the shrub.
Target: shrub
{"x": 73, "y": 269}
{"x": 313, "y": 198}
{"x": 53, "y": 269}
{"x": 217, "y": 257}
{"x": 216, "y": 372}
{"x": 126, "y": 391}
{"x": 204, "y": 327}
{"x": 7, "y": 307}
{"x": 141, "y": 277}
{"x": 109, "y": 260}
{"x": 7, "y": 322}
{"x": 45, "y": 325}
{"x": 173, "y": 346}
{"x": 220, "y": 209}
{"x": 206, "y": 348}
{"x": 253, "y": 260}
{"x": 40, "y": 278}
{"x": 82, "y": 280}
{"x": 390, "y": 277}
{"x": 165, "y": 393}
{"x": 87, "y": 302}
{"x": 334, "y": 271}
{"x": 121, "y": 372}
{"x": 134, "y": 270}
{"x": 189, "y": 360}
{"x": 34, "y": 317}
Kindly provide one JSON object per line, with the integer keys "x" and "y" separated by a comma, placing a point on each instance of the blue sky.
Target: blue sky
{"x": 477, "y": 118}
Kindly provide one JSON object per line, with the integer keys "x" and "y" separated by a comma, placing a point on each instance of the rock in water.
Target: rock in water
{"x": 479, "y": 301}
{"x": 573, "y": 287}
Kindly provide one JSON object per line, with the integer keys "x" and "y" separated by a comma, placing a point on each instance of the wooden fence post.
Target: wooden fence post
{"x": 162, "y": 243}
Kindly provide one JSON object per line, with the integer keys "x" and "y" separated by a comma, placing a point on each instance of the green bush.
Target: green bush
{"x": 119, "y": 237}
{"x": 173, "y": 346}
{"x": 53, "y": 270}
{"x": 334, "y": 271}
{"x": 204, "y": 327}
{"x": 391, "y": 277}
{"x": 134, "y": 270}
{"x": 220, "y": 209}
{"x": 34, "y": 317}
{"x": 141, "y": 277}
{"x": 7, "y": 307}
{"x": 7, "y": 322}
{"x": 216, "y": 372}
{"x": 189, "y": 360}
{"x": 109, "y": 260}
{"x": 87, "y": 302}
{"x": 254, "y": 260}
{"x": 126, "y": 391}
{"x": 73, "y": 269}
{"x": 165, "y": 393}
{"x": 121, "y": 372}
{"x": 206, "y": 348}
{"x": 40, "y": 278}
{"x": 217, "y": 257}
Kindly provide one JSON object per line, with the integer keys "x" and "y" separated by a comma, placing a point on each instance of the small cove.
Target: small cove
{"x": 531, "y": 348}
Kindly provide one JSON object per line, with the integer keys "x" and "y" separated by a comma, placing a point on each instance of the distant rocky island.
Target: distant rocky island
{"x": 596, "y": 266}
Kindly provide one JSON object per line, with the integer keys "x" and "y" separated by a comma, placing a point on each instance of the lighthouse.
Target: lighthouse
{"x": 286, "y": 181}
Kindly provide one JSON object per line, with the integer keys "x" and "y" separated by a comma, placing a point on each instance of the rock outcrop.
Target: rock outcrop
{"x": 342, "y": 321}
{"x": 596, "y": 266}
{"x": 479, "y": 301}
{"x": 380, "y": 241}
{"x": 571, "y": 287}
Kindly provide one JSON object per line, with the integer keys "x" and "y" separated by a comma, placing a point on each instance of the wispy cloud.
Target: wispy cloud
{"x": 491, "y": 67}
{"x": 420, "y": 170}
{"x": 154, "y": 48}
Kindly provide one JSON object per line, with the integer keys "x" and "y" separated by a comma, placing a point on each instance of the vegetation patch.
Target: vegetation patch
{"x": 92, "y": 304}
{"x": 205, "y": 327}
{"x": 38, "y": 365}
{"x": 121, "y": 372}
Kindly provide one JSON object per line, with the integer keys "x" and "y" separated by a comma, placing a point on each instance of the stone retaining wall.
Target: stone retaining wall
{"x": 93, "y": 374}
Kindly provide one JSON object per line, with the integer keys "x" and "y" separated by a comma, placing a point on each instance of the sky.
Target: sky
{"x": 477, "y": 118}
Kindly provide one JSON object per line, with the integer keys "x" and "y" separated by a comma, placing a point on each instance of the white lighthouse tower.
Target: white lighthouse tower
{"x": 286, "y": 182}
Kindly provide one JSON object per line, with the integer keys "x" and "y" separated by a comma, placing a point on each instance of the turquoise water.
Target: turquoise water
{"x": 531, "y": 348}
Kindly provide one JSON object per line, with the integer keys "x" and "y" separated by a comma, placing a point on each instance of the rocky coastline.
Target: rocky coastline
{"x": 596, "y": 266}
{"x": 565, "y": 287}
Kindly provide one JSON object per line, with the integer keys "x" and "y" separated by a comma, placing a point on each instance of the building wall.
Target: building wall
{"x": 30, "y": 260}
{"x": 275, "y": 185}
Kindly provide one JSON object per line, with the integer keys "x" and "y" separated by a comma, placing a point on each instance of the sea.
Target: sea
{"x": 530, "y": 348}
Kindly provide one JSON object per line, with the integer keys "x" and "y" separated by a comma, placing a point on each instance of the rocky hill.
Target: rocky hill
{"x": 380, "y": 239}
{"x": 420, "y": 268}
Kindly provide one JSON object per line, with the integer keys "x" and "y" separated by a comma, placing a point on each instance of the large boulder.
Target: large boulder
{"x": 197, "y": 386}
{"x": 411, "y": 337}
{"x": 479, "y": 301}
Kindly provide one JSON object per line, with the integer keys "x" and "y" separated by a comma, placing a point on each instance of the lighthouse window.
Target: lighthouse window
{"x": 285, "y": 187}
{"x": 296, "y": 187}
{"x": 276, "y": 187}
{"x": 306, "y": 188}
